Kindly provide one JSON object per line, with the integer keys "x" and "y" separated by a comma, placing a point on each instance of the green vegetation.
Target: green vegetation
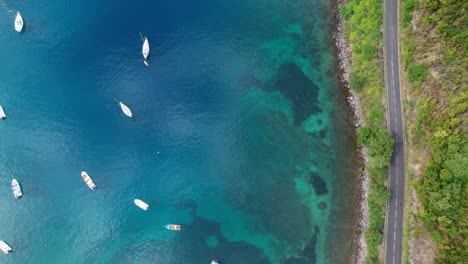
{"x": 363, "y": 27}
{"x": 435, "y": 62}
{"x": 379, "y": 144}
{"x": 408, "y": 9}
{"x": 416, "y": 73}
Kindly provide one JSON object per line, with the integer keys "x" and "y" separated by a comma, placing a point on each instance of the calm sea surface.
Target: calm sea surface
{"x": 240, "y": 133}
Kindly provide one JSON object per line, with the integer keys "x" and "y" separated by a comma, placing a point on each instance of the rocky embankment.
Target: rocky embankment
{"x": 344, "y": 56}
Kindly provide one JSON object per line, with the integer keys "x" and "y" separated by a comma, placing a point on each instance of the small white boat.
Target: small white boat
{"x": 88, "y": 180}
{"x": 125, "y": 109}
{"x": 19, "y": 22}
{"x": 214, "y": 262}
{"x": 2, "y": 113}
{"x": 146, "y": 49}
{"x": 5, "y": 247}
{"x": 141, "y": 204}
{"x": 15, "y": 186}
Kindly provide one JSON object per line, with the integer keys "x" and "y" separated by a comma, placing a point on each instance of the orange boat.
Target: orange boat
{"x": 172, "y": 227}
{"x": 88, "y": 180}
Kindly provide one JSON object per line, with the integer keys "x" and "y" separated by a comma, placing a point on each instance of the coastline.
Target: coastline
{"x": 359, "y": 252}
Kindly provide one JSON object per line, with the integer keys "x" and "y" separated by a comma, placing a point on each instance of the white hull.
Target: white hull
{"x": 126, "y": 110}
{"x": 15, "y": 186}
{"x": 146, "y": 49}
{"x": 2, "y": 113}
{"x": 19, "y": 22}
{"x": 5, "y": 247}
{"x": 88, "y": 180}
{"x": 141, "y": 204}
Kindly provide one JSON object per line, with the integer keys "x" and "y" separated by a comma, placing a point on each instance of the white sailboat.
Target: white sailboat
{"x": 2, "y": 113}
{"x": 141, "y": 204}
{"x": 15, "y": 186}
{"x": 125, "y": 109}
{"x": 145, "y": 49}
{"x": 19, "y": 22}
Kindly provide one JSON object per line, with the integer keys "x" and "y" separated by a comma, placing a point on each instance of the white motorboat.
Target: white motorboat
{"x": 5, "y": 247}
{"x": 15, "y": 186}
{"x": 88, "y": 180}
{"x": 19, "y": 22}
{"x": 141, "y": 204}
{"x": 214, "y": 262}
{"x": 125, "y": 109}
{"x": 2, "y": 113}
{"x": 146, "y": 49}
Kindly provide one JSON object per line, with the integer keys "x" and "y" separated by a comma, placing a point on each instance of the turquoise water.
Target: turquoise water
{"x": 240, "y": 133}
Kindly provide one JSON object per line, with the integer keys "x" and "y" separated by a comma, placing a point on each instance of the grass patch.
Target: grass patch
{"x": 417, "y": 73}
{"x": 408, "y": 9}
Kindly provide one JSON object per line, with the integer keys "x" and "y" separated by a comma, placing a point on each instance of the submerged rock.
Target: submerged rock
{"x": 319, "y": 185}
{"x": 322, "y": 205}
{"x": 310, "y": 252}
{"x": 295, "y": 260}
{"x": 297, "y": 88}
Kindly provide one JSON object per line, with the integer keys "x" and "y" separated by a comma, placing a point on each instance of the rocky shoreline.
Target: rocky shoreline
{"x": 356, "y": 119}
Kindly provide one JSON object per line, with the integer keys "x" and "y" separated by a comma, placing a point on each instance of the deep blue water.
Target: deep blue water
{"x": 240, "y": 133}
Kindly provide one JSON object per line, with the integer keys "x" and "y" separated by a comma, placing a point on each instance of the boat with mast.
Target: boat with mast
{"x": 125, "y": 109}
{"x": 19, "y": 22}
{"x": 145, "y": 49}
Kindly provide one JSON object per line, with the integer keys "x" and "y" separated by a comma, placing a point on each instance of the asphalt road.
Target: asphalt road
{"x": 394, "y": 220}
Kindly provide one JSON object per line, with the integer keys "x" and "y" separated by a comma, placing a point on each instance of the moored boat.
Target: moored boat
{"x": 19, "y": 22}
{"x": 125, "y": 109}
{"x": 16, "y": 187}
{"x": 145, "y": 49}
{"x": 5, "y": 247}
{"x": 2, "y": 113}
{"x": 88, "y": 180}
{"x": 173, "y": 227}
{"x": 141, "y": 204}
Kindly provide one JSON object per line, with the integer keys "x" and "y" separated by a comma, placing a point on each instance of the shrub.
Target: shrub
{"x": 416, "y": 73}
{"x": 357, "y": 82}
{"x": 408, "y": 8}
